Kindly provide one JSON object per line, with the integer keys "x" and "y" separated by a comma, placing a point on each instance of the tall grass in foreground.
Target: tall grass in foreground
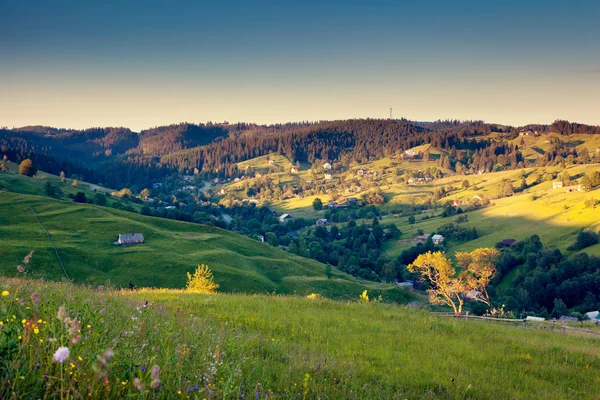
{"x": 170, "y": 344}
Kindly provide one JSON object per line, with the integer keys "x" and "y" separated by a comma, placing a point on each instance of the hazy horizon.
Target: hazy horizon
{"x": 142, "y": 64}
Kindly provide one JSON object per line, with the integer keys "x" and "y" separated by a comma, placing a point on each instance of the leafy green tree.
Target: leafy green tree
{"x": 27, "y": 168}
{"x": 317, "y": 204}
{"x": 100, "y": 199}
{"x": 80, "y": 197}
{"x": 49, "y": 189}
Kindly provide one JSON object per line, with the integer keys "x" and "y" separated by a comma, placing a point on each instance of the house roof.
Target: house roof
{"x": 131, "y": 237}
{"x": 567, "y": 318}
{"x": 508, "y": 241}
{"x": 593, "y": 315}
{"x": 424, "y": 236}
{"x": 437, "y": 237}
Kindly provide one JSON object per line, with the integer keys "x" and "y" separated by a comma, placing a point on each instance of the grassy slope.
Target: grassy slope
{"x": 518, "y": 216}
{"x": 84, "y": 235}
{"x": 237, "y": 346}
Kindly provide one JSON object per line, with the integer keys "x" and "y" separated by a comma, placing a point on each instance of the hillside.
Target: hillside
{"x": 248, "y": 347}
{"x": 84, "y": 234}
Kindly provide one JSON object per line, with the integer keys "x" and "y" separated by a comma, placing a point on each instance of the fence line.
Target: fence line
{"x": 564, "y": 327}
{"x": 51, "y": 243}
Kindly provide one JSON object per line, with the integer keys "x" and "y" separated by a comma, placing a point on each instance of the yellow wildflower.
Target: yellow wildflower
{"x": 5, "y": 293}
{"x": 36, "y": 331}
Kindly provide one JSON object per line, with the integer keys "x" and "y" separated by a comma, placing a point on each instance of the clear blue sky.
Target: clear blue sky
{"x": 146, "y": 63}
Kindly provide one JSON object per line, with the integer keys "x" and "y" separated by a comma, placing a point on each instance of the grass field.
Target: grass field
{"x": 555, "y": 216}
{"x": 84, "y": 234}
{"x": 257, "y": 347}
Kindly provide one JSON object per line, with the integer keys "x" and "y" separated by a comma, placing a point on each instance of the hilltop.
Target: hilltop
{"x": 248, "y": 347}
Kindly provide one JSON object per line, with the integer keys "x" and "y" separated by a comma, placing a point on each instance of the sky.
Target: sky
{"x": 139, "y": 64}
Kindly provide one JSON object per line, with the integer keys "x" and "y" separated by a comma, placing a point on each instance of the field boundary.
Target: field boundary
{"x": 564, "y": 327}
{"x": 51, "y": 243}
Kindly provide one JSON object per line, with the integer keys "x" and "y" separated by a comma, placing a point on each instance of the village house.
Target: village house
{"x": 294, "y": 170}
{"x": 285, "y": 218}
{"x": 352, "y": 200}
{"x": 271, "y": 162}
{"x": 410, "y": 154}
{"x": 261, "y": 238}
{"x": 567, "y": 318}
{"x": 321, "y": 222}
{"x": 327, "y": 166}
{"x": 328, "y": 177}
{"x": 236, "y": 180}
{"x": 253, "y": 201}
{"x": 223, "y": 191}
{"x": 332, "y": 204}
{"x": 437, "y": 239}
{"x": 422, "y": 238}
{"x": 411, "y": 181}
{"x": 129, "y": 239}
{"x": 557, "y": 185}
{"x": 593, "y": 316}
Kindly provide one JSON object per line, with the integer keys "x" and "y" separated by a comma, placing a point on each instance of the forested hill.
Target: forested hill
{"x": 124, "y": 157}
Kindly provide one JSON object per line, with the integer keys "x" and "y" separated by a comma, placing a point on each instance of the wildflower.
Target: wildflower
{"x": 35, "y": 298}
{"x": 155, "y": 380}
{"x": 89, "y": 326}
{"x": 20, "y": 269}
{"x": 36, "y": 331}
{"x": 143, "y": 368}
{"x": 137, "y": 383}
{"x": 27, "y": 258}
{"x": 5, "y": 293}
{"x": 102, "y": 311}
{"x": 101, "y": 288}
{"x": 62, "y": 313}
{"x": 105, "y": 358}
{"x": 61, "y": 354}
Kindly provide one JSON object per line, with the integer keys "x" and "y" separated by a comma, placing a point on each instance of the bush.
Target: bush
{"x": 584, "y": 239}
{"x": 27, "y": 168}
{"x": 79, "y": 197}
{"x": 201, "y": 281}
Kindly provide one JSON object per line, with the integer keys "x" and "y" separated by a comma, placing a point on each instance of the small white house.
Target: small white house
{"x": 557, "y": 185}
{"x": 328, "y": 177}
{"x": 321, "y": 222}
{"x": 327, "y": 166}
{"x": 437, "y": 239}
{"x": 593, "y": 315}
{"x": 130, "y": 238}
{"x": 285, "y": 217}
{"x": 534, "y": 319}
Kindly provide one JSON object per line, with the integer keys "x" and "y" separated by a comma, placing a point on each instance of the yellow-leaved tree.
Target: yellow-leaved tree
{"x": 477, "y": 269}
{"x": 201, "y": 281}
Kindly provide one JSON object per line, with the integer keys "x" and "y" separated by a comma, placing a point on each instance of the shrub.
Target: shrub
{"x": 201, "y": 281}
{"x": 27, "y": 168}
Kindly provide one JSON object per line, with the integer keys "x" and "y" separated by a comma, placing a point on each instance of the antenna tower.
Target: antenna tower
{"x": 391, "y": 113}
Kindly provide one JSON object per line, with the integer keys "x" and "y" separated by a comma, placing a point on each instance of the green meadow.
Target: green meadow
{"x": 84, "y": 237}
{"x": 172, "y": 344}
